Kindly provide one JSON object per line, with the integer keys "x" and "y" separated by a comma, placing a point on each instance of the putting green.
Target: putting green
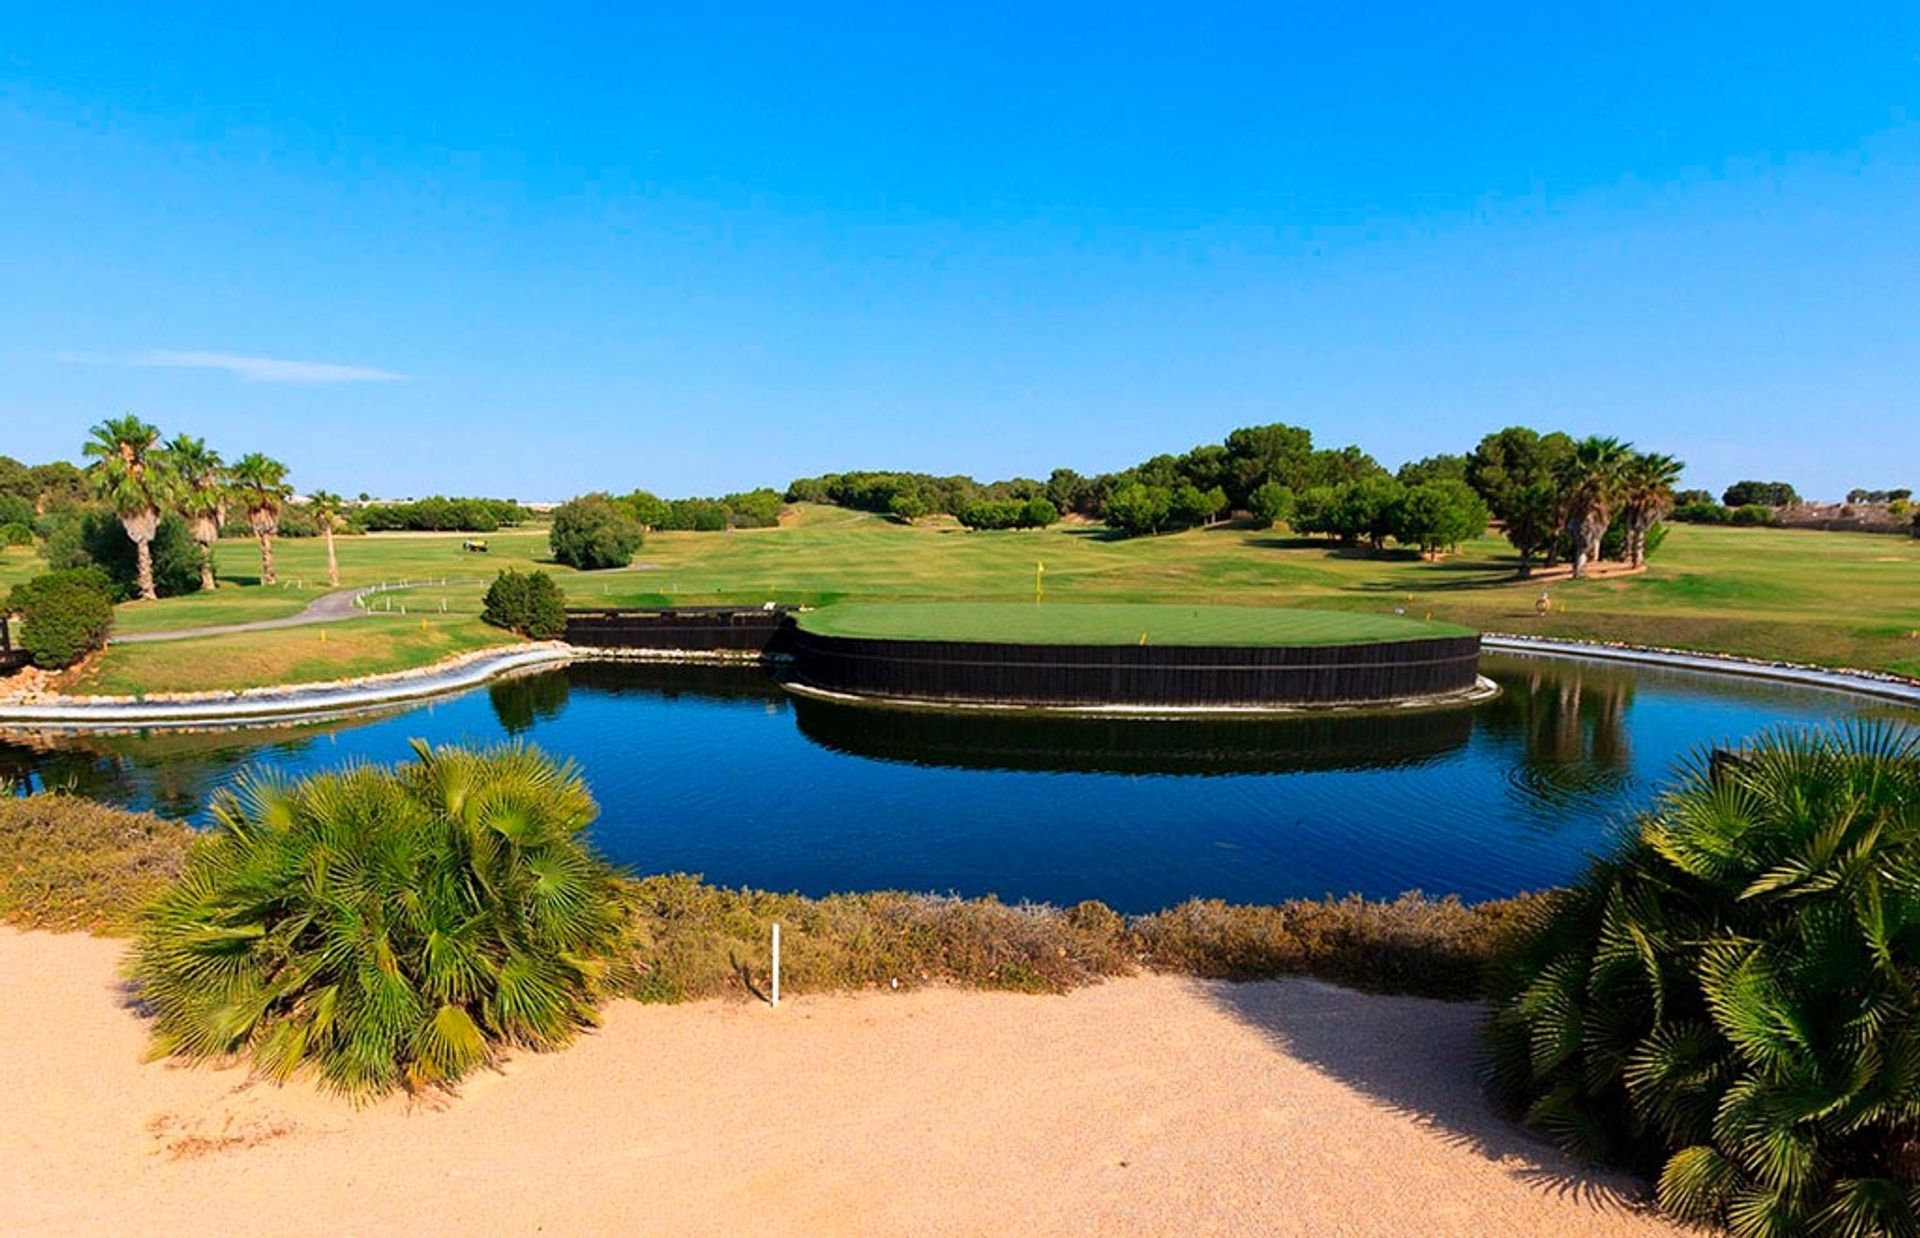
{"x": 1068, "y": 623}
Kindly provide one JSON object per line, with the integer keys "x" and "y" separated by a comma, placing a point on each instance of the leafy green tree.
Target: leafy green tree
{"x": 906, "y": 507}
{"x": 1760, "y": 494}
{"x": 529, "y": 603}
{"x": 387, "y": 927}
{"x": 1188, "y": 505}
{"x": 1137, "y": 509}
{"x": 16, "y": 482}
{"x": 593, "y": 532}
{"x": 1270, "y": 503}
{"x": 1732, "y": 1001}
{"x": 16, "y": 510}
{"x": 649, "y": 510}
{"x": 1366, "y": 510}
{"x": 1432, "y": 468}
{"x": 58, "y": 486}
{"x": 1439, "y": 514}
{"x": 131, "y": 475}
{"x": 1313, "y": 511}
{"x": 1518, "y": 472}
{"x": 65, "y": 615}
{"x": 1039, "y": 513}
{"x": 1260, "y": 454}
{"x": 260, "y": 486}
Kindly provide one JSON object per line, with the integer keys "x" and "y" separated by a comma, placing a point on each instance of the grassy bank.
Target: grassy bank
{"x": 1832, "y": 599}
{"x": 71, "y": 864}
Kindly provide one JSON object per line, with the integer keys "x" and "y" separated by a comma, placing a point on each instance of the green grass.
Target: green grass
{"x": 1114, "y": 623}
{"x": 1836, "y": 599}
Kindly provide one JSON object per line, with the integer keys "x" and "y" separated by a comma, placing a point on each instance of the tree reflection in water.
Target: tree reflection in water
{"x": 1567, "y": 722}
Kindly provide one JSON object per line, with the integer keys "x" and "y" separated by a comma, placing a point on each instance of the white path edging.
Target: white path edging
{"x": 1860, "y": 683}
{"x": 282, "y": 704}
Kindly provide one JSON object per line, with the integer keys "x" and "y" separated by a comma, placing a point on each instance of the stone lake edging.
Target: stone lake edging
{"x": 301, "y": 701}
{"x": 472, "y": 670}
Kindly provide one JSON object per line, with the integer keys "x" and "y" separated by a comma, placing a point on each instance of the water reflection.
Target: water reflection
{"x": 1566, "y": 724}
{"x": 1062, "y": 744}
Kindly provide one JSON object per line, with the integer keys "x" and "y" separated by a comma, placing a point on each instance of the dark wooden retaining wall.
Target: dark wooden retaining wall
{"x": 1074, "y": 675}
{"x": 688, "y": 629}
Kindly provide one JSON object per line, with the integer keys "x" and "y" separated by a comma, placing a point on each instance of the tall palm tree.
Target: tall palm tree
{"x": 261, "y": 483}
{"x": 201, "y": 496}
{"x": 326, "y": 507}
{"x": 1592, "y": 481}
{"x": 1648, "y": 482}
{"x": 132, "y": 476}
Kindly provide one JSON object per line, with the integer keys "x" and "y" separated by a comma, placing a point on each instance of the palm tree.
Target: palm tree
{"x": 132, "y": 476}
{"x": 1648, "y": 483}
{"x": 261, "y": 483}
{"x": 326, "y": 507}
{"x": 1593, "y": 487}
{"x": 202, "y": 495}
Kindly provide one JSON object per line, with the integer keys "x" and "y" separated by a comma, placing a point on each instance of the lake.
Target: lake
{"x": 718, "y": 771}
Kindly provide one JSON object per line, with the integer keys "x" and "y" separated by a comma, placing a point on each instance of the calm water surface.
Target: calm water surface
{"x": 719, "y": 772}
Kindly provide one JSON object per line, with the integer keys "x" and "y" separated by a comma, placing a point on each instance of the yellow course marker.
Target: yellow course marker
{"x": 1039, "y": 582}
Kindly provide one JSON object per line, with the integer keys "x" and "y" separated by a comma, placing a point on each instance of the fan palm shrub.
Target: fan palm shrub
{"x": 387, "y": 927}
{"x": 1732, "y": 1001}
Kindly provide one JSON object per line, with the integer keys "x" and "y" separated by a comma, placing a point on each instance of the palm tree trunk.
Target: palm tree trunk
{"x": 333, "y": 565}
{"x": 143, "y": 563}
{"x": 207, "y": 582}
{"x": 266, "y": 558}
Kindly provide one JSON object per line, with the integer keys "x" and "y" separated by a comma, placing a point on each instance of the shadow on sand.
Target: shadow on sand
{"x": 1421, "y": 1058}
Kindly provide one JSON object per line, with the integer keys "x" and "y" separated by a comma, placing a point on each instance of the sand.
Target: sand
{"x": 1144, "y": 1105}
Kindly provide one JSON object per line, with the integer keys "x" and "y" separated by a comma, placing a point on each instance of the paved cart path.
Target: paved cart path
{"x": 326, "y": 609}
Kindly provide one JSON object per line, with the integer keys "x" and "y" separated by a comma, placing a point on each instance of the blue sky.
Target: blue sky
{"x": 534, "y": 250}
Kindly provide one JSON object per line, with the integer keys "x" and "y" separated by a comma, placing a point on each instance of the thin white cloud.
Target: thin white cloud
{"x": 253, "y": 369}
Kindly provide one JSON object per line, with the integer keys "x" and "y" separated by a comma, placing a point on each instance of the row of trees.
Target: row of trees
{"x": 141, "y": 479}
{"x": 750, "y": 509}
{"x": 1556, "y": 497}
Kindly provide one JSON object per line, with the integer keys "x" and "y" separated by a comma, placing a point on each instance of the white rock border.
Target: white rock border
{"x": 1859, "y": 682}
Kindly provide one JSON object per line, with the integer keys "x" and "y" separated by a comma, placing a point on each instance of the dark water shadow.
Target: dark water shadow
{"x": 1422, "y": 1059}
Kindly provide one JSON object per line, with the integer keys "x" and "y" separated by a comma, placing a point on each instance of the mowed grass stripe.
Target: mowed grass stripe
{"x": 1069, "y": 623}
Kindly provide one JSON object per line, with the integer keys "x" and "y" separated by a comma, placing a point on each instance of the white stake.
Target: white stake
{"x": 775, "y": 1003}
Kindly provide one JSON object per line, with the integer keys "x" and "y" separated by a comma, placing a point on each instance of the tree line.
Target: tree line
{"x": 1557, "y": 498}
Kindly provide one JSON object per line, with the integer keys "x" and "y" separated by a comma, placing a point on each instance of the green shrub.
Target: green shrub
{"x": 97, "y": 538}
{"x": 594, "y": 532}
{"x": 529, "y": 603}
{"x": 1702, "y": 513}
{"x": 387, "y": 927}
{"x": 15, "y": 535}
{"x": 1754, "y": 514}
{"x": 1270, "y": 503}
{"x": 65, "y": 615}
{"x": 1733, "y": 1000}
